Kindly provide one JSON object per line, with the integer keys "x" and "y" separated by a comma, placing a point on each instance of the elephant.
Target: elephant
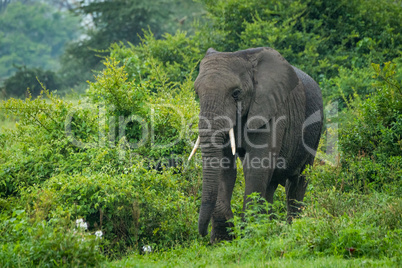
{"x": 256, "y": 106}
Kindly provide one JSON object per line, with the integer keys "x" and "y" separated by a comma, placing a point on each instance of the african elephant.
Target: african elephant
{"x": 256, "y": 106}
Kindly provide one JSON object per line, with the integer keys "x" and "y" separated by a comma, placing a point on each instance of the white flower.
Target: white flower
{"x": 81, "y": 224}
{"x": 147, "y": 249}
{"x": 98, "y": 234}
{"x": 84, "y": 225}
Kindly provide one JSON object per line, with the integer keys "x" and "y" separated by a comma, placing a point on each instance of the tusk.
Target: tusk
{"x": 197, "y": 143}
{"x": 232, "y": 141}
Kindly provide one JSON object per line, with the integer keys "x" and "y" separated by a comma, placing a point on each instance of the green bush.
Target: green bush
{"x": 347, "y": 84}
{"x": 94, "y": 159}
{"x": 376, "y": 128}
{"x": 29, "y": 81}
{"x": 159, "y": 105}
{"x": 178, "y": 55}
{"x": 318, "y": 36}
{"x": 363, "y": 174}
{"x": 25, "y": 243}
{"x": 39, "y": 147}
{"x": 370, "y": 132}
{"x": 132, "y": 209}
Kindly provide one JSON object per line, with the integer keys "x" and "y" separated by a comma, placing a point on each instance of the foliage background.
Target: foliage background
{"x": 33, "y": 35}
{"x": 132, "y": 180}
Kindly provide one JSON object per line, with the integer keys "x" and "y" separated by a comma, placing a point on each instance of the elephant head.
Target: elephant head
{"x": 259, "y": 80}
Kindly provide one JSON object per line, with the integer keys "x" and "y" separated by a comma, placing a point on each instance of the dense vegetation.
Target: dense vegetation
{"x": 117, "y": 158}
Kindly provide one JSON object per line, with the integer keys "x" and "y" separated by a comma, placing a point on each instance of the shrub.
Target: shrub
{"x": 178, "y": 55}
{"x": 27, "y": 243}
{"x": 159, "y": 107}
{"x": 369, "y": 137}
{"x": 69, "y": 160}
{"x": 29, "y": 81}
{"x": 134, "y": 208}
{"x": 318, "y": 36}
{"x": 348, "y": 83}
{"x": 39, "y": 147}
{"x": 376, "y": 128}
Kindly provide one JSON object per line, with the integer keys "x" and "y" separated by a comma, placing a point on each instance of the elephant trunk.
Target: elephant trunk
{"x": 215, "y": 122}
{"x": 211, "y": 172}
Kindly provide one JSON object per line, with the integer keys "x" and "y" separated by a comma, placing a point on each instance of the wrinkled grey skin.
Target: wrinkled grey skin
{"x": 268, "y": 114}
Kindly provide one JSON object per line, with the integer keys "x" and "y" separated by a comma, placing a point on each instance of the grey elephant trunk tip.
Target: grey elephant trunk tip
{"x": 204, "y": 218}
{"x": 203, "y": 231}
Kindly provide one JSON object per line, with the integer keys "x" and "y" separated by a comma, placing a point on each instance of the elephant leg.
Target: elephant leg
{"x": 257, "y": 177}
{"x": 269, "y": 195}
{"x": 259, "y": 163}
{"x": 295, "y": 190}
{"x": 223, "y": 212}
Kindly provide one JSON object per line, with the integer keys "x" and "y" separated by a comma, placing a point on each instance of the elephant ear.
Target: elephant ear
{"x": 211, "y": 51}
{"x": 274, "y": 79}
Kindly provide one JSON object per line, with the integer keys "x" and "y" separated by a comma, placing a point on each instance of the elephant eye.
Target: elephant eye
{"x": 236, "y": 94}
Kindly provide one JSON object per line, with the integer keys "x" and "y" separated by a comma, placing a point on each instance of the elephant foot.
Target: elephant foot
{"x": 220, "y": 231}
{"x": 294, "y": 213}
